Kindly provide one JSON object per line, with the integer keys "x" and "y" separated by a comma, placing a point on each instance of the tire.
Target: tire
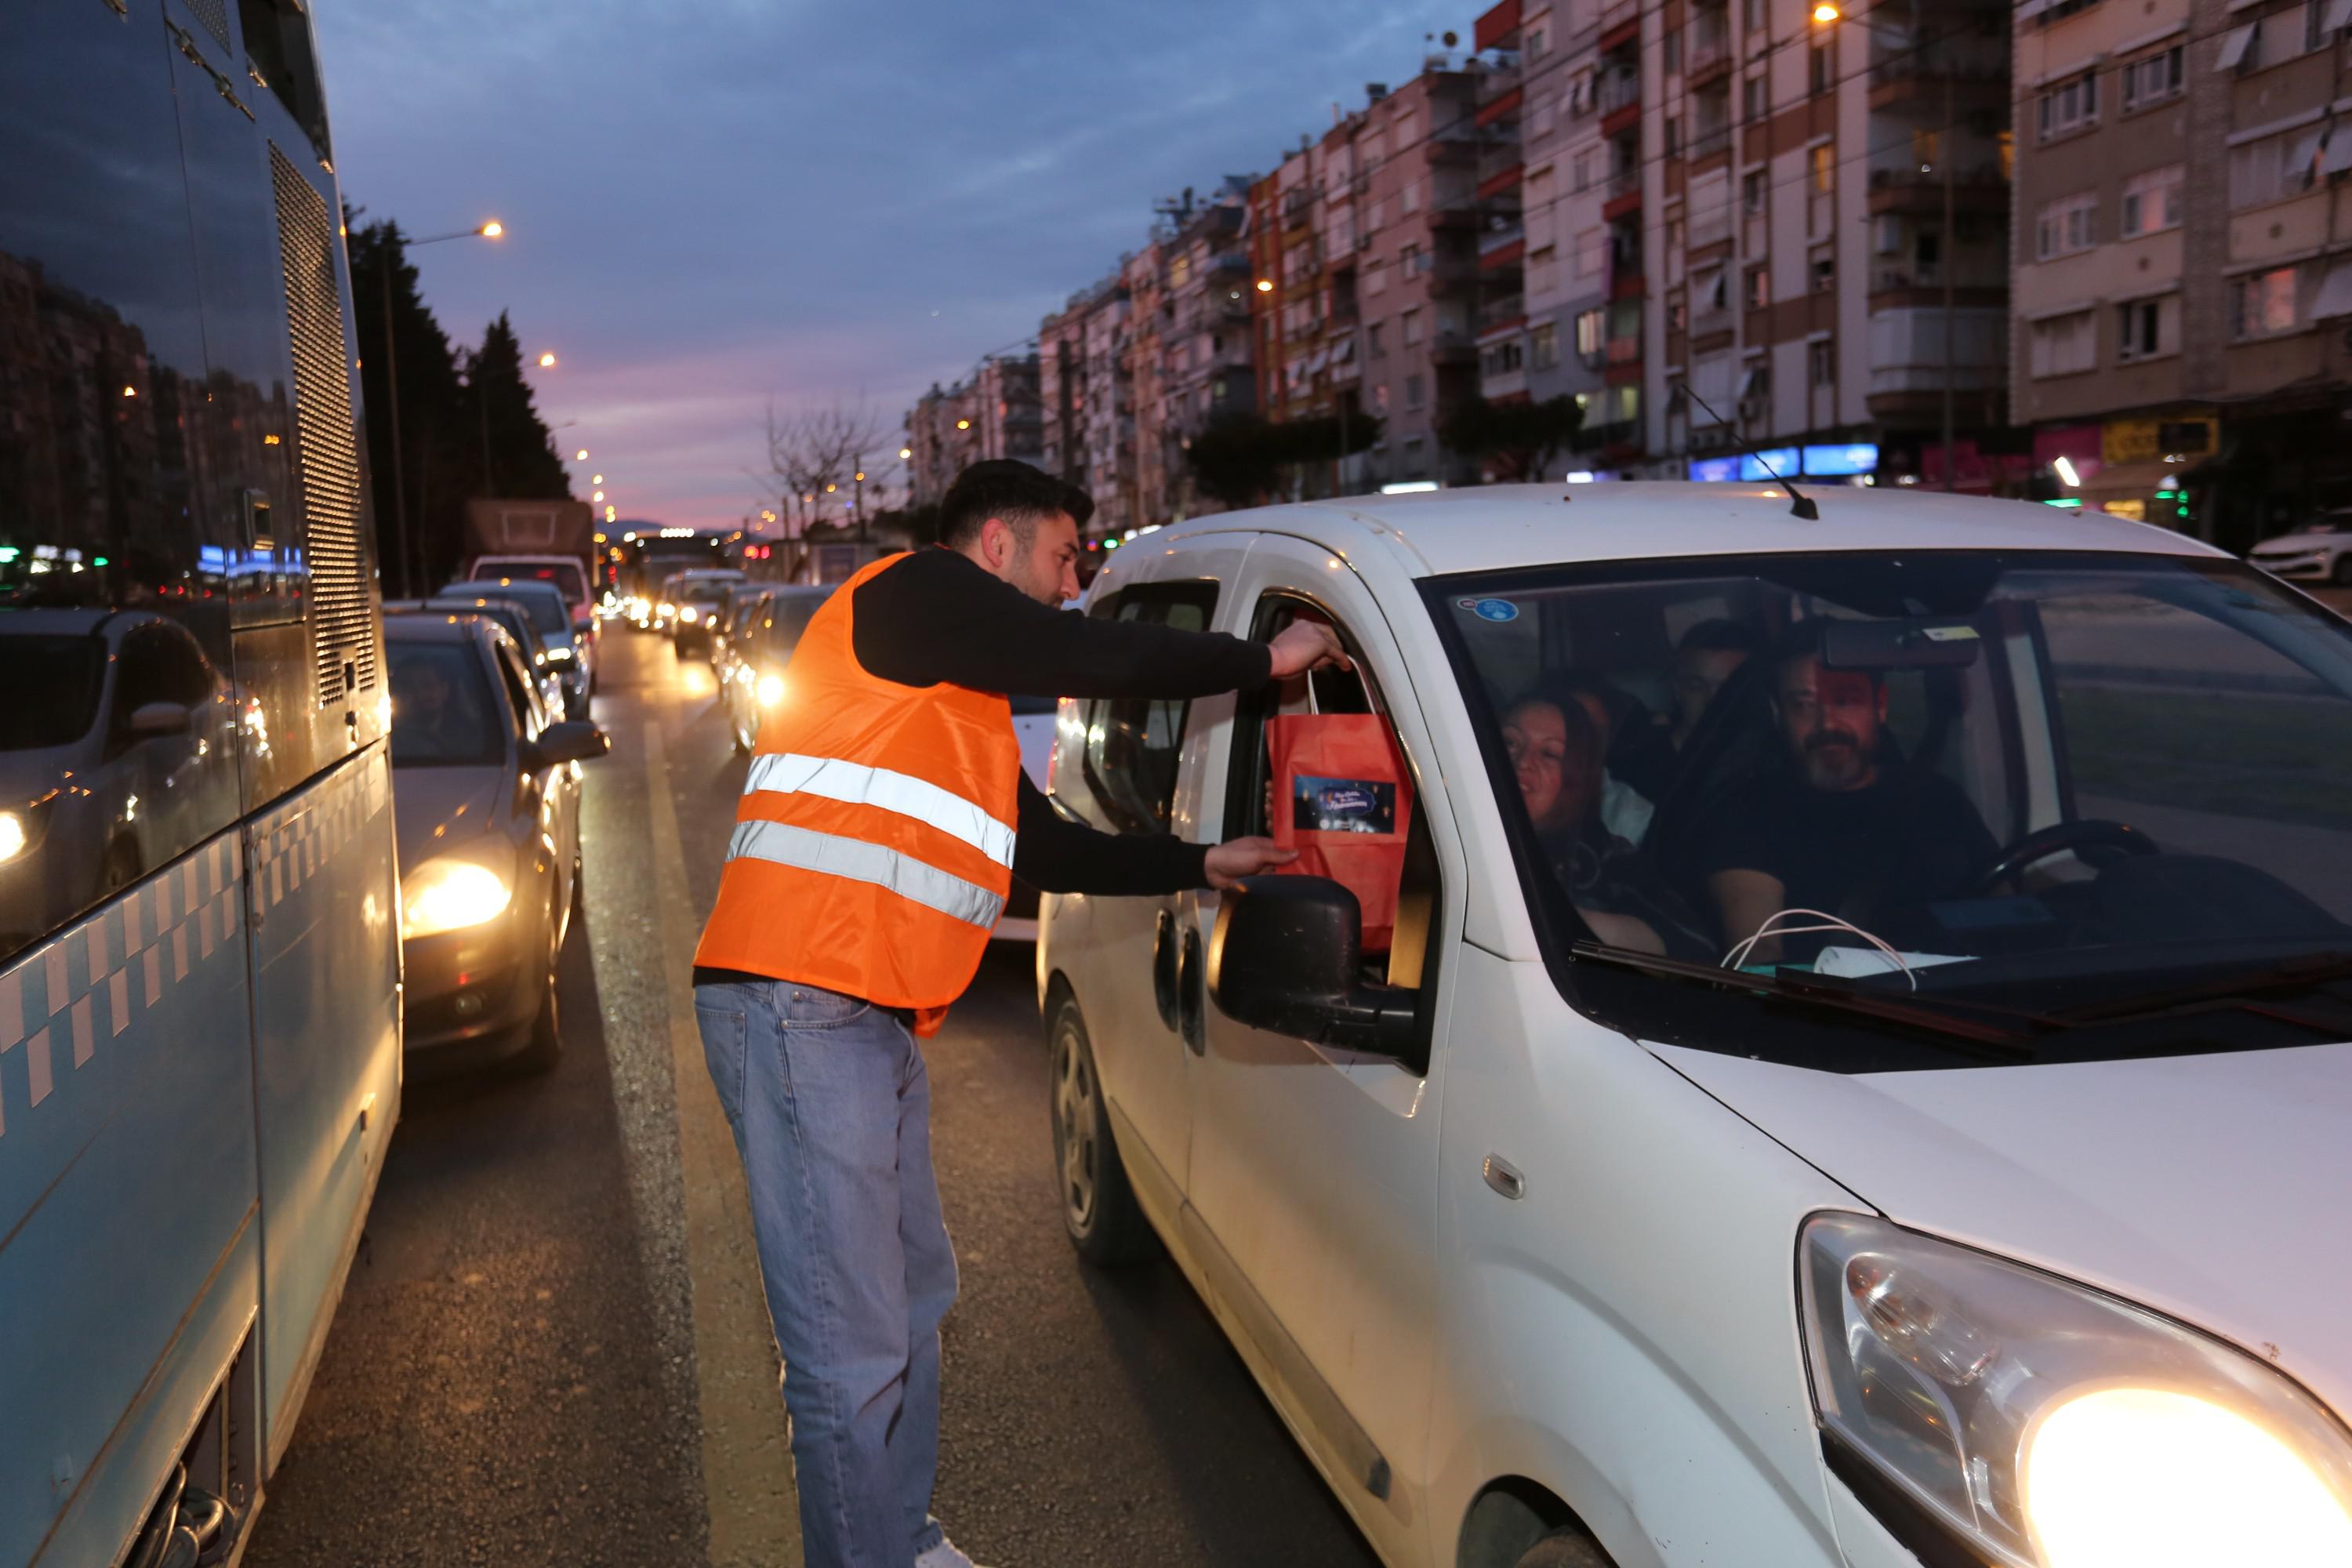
{"x": 1098, "y": 1207}
{"x": 545, "y": 1046}
{"x": 1564, "y": 1548}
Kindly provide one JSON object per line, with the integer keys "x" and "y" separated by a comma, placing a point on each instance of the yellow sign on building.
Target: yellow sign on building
{"x": 2187, "y": 434}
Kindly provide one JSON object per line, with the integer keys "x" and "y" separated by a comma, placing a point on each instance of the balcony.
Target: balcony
{"x": 1621, "y": 101}
{"x": 1705, "y": 144}
{"x": 1707, "y": 48}
{"x": 1297, "y": 207}
{"x": 1710, "y": 226}
{"x": 1622, "y": 194}
{"x": 1452, "y": 345}
{"x": 1914, "y": 79}
{"x": 1499, "y": 94}
{"x": 1499, "y": 385}
{"x": 1504, "y": 314}
{"x": 1903, "y": 188}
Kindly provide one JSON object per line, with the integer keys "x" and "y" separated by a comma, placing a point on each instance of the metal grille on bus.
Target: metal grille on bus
{"x": 214, "y": 15}
{"x": 326, "y": 450}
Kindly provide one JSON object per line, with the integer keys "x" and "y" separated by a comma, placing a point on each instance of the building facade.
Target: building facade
{"x": 997, "y": 412}
{"x": 2184, "y": 284}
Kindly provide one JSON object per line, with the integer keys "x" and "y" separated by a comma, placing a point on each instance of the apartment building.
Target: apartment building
{"x": 995, "y": 414}
{"x": 2184, "y": 281}
{"x": 1207, "y": 368}
{"x": 1812, "y": 212}
{"x": 1549, "y": 57}
{"x": 1084, "y": 398}
{"x": 1503, "y": 104}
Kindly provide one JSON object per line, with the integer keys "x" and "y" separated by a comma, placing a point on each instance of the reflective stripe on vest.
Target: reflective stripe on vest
{"x": 854, "y": 784}
{"x": 834, "y": 856}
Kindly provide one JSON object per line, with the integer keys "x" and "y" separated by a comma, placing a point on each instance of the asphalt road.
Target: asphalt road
{"x": 551, "y": 1348}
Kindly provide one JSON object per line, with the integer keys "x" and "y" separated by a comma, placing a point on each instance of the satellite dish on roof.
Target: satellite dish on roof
{"x": 1452, "y": 39}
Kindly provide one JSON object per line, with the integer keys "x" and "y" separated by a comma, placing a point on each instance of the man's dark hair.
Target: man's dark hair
{"x": 1721, "y": 636}
{"x": 1010, "y": 490}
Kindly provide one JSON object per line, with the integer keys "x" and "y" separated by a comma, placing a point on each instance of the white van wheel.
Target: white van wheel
{"x": 1098, "y": 1208}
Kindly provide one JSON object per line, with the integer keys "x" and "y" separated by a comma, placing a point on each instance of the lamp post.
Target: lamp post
{"x": 490, "y": 230}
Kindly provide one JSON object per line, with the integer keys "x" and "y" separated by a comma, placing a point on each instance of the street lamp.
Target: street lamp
{"x": 581, "y": 456}
{"x": 492, "y": 229}
{"x": 546, "y": 362}
{"x": 1826, "y": 15}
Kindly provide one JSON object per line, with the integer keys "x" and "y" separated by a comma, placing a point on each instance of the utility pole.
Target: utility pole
{"x": 392, "y": 387}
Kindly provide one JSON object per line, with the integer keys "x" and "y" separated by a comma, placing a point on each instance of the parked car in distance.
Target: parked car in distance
{"x": 2319, "y": 551}
{"x": 568, "y": 572}
{"x": 744, "y": 604}
{"x": 567, "y": 652}
{"x": 509, "y": 615}
{"x": 486, "y": 793}
{"x": 756, "y": 679}
{"x": 1033, "y": 722}
{"x": 1912, "y": 1138}
{"x": 696, "y": 599}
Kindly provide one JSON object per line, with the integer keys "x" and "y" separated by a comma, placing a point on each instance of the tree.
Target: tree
{"x": 433, "y": 474}
{"x": 1240, "y": 457}
{"x": 1520, "y": 439}
{"x": 816, "y": 448}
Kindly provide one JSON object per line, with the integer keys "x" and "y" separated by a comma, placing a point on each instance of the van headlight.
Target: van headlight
{"x": 2042, "y": 1424}
{"x": 451, "y": 892}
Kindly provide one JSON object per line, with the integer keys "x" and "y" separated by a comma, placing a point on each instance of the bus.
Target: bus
{"x": 650, "y": 552}
{"x": 199, "y": 906}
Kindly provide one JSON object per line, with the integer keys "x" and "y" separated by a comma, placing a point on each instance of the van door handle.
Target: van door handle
{"x": 1163, "y": 970}
{"x": 1193, "y": 993}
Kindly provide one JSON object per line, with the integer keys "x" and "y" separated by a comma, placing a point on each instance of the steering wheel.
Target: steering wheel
{"x": 2108, "y": 842}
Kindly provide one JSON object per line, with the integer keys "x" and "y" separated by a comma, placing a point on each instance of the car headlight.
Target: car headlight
{"x": 771, "y": 690}
{"x": 2044, "y": 1425}
{"x": 687, "y": 614}
{"x": 560, "y": 655}
{"x": 13, "y": 836}
{"x": 451, "y": 892}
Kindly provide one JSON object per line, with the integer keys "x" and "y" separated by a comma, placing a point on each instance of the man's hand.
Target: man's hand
{"x": 1302, "y": 646}
{"x": 1231, "y": 861}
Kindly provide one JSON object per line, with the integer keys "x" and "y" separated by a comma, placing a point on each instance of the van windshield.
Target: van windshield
{"x": 2041, "y": 784}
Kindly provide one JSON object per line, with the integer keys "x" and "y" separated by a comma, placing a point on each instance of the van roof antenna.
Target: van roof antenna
{"x": 1798, "y": 505}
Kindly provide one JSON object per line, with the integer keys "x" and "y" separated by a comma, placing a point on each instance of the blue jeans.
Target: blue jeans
{"x": 832, "y": 1114}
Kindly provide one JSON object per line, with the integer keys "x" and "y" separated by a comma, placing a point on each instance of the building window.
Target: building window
{"x": 1414, "y": 385}
{"x": 2263, "y": 305}
{"x": 1824, "y": 159}
{"x": 2273, "y": 167}
{"x": 1409, "y": 199}
{"x": 1823, "y": 358}
{"x": 2152, "y": 80}
{"x": 1628, "y": 404}
{"x": 1825, "y": 274}
{"x": 1543, "y": 346}
{"x": 1759, "y": 288}
{"x": 2066, "y": 225}
{"x": 2152, "y": 202}
{"x": 1376, "y": 278}
{"x": 2063, "y": 345}
{"x": 1752, "y": 192}
{"x": 1409, "y": 261}
{"x": 1581, "y": 170}
{"x": 1674, "y": 50}
{"x": 1412, "y": 327}
{"x": 1588, "y": 335}
{"x": 1591, "y": 252}
{"x": 1536, "y": 44}
{"x": 1677, "y": 314}
{"x": 1376, "y": 338}
{"x": 1821, "y": 71}
{"x": 1674, "y": 135}
{"x": 2070, "y": 105}
{"x": 1755, "y": 97}
{"x": 1751, "y": 16}
{"x": 2145, "y": 328}
{"x": 1380, "y": 399}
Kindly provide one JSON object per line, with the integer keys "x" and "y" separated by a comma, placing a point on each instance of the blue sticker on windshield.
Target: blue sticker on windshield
{"x": 1497, "y": 610}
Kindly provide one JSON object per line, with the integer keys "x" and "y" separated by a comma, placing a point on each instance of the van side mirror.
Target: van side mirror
{"x": 152, "y": 719}
{"x": 572, "y": 740}
{"x": 1286, "y": 956}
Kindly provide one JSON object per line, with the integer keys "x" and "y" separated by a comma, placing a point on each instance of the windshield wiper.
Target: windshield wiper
{"x": 2300, "y": 972}
{"x": 2009, "y": 1042}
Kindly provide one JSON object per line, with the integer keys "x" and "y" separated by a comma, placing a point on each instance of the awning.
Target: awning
{"x": 2338, "y": 156}
{"x": 2303, "y": 157}
{"x": 2234, "y": 47}
{"x": 2339, "y": 16}
{"x": 2335, "y": 291}
{"x": 1345, "y": 352}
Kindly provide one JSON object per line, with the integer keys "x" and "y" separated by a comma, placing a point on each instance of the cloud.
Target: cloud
{"x": 707, "y": 206}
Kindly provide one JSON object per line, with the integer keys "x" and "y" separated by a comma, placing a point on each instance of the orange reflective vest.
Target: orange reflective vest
{"x": 873, "y": 847}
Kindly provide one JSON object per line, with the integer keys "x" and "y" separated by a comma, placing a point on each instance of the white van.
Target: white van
{"x": 1984, "y": 1204}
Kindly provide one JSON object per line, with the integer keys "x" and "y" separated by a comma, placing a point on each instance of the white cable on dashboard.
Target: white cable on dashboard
{"x": 1738, "y": 954}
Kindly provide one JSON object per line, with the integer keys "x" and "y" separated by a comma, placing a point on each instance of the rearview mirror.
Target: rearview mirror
{"x": 1898, "y": 645}
{"x": 573, "y": 741}
{"x": 1286, "y": 956}
{"x": 151, "y": 719}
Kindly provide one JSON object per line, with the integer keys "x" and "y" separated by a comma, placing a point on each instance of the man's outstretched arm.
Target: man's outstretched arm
{"x": 1055, "y": 854}
{"x": 938, "y": 616}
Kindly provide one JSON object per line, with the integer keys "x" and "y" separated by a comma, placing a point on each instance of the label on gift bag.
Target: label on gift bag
{"x": 1343, "y": 805}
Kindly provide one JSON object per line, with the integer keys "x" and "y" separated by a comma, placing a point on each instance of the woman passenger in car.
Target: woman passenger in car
{"x": 1554, "y": 752}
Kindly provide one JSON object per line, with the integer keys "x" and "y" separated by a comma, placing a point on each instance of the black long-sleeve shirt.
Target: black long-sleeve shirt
{"x": 939, "y": 617}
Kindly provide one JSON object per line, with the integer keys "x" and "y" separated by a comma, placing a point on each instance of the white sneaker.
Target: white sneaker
{"x": 944, "y": 1556}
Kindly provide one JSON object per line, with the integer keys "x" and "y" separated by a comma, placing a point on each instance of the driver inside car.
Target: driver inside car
{"x": 1847, "y": 827}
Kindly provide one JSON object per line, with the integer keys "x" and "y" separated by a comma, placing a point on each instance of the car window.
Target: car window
{"x": 546, "y": 610}
{"x": 1133, "y": 744}
{"x": 443, "y": 712}
{"x": 56, "y": 682}
{"x": 1035, "y": 707}
{"x": 562, "y": 575}
{"x": 1324, "y": 746}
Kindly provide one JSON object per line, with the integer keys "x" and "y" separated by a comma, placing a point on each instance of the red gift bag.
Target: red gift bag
{"x": 1342, "y": 799}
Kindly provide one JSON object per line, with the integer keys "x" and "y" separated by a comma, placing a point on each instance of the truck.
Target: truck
{"x": 553, "y": 541}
